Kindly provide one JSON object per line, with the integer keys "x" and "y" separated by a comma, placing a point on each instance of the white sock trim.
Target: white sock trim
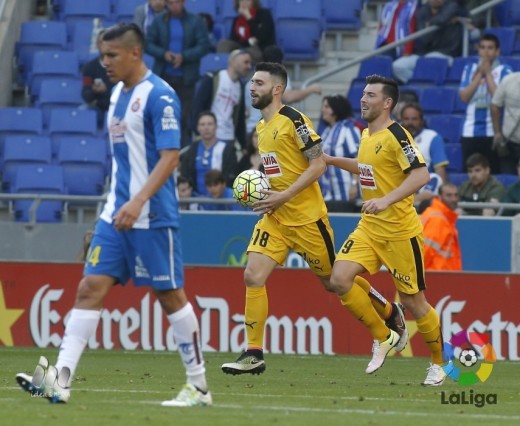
{"x": 181, "y": 313}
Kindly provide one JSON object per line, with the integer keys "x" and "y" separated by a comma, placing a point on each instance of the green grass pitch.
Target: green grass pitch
{"x": 126, "y": 388}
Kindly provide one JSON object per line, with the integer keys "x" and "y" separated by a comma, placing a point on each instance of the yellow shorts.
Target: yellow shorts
{"x": 314, "y": 242}
{"x": 404, "y": 258}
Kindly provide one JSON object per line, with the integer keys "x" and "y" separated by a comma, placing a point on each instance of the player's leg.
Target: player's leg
{"x": 104, "y": 261}
{"x": 404, "y": 260}
{"x": 356, "y": 256}
{"x": 266, "y": 250}
{"x": 162, "y": 268}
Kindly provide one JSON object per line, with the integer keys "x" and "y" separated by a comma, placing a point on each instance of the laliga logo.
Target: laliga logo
{"x": 468, "y": 357}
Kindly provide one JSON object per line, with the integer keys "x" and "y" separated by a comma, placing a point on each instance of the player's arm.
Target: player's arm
{"x": 348, "y": 164}
{"x": 129, "y": 212}
{"x": 317, "y": 167}
{"x": 416, "y": 179}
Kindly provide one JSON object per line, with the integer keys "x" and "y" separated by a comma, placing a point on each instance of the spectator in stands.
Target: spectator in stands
{"x": 96, "y": 85}
{"x": 477, "y": 87}
{"x": 275, "y": 54}
{"x": 441, "y": 237}
{"x": 512, "y": 195}
{"x": 145, "y": 14}
{"x": 397, "y": 21}
{"x": 506, "y": 141}
{"x": 253, "y": 30}
{"x": 251, "y": 158}
{"x": 405, "y": 97}
{"x": 216, "y": 188}
{"x": 481, "y": 186}
{"x": 208, "y": 153}
{"x": 178, "y": 39}
{"x": 185, "y": 190}
{"x": 445, "y": 42}
{"x": 340, "y": 139}
{"x": 223, "y": 93}
{"x": 431, "y": 145}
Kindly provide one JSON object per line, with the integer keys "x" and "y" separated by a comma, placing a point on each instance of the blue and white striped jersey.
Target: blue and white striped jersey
{"x": 141, "y": 122}
{"x": 478, "y": 115}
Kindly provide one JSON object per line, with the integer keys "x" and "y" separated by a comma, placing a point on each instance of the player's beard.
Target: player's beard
{"x": 263, "y": 101}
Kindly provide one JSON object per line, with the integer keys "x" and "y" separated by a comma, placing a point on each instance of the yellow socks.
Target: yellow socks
{"x": 380, "y": 304}
{"x": 255, "y": 316}
{"x": 430, "y": 328}
{"x": 357, "y": 302}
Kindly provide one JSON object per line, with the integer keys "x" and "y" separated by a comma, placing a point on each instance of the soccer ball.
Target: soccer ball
{"x": 247, "y": 186}
{"x": 468, "y": 357}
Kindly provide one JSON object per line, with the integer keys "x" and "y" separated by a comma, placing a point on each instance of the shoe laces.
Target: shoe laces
{"x": 375, "y": 346}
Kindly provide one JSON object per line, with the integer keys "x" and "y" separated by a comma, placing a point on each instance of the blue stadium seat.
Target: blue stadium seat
{"x": 354, "y": 94}
{"x": 212, "y": 62}
{"x": 429, "y": 71}
{"x": 84, "y": 164}
{"x": 226, "y": 16}
{"x": 438, "y": 100}
{"x": 39, "y": 179}
{"x": 21, "y": 121}
{"x": 507, "y": 179}
{"x": 81, "y": 37}
{"x": 512, "y": 61}
{"x": 448, "y": 126}
{"x": 380, "y": 64}
{"x": 454, "y": 76}
{"x": 36, "y": 36}
{"x": 457, "y": 178}
{"x": 62, "y": 93}
{"x": 299, "y": 27}
{"x": 78, "y": 11}
{"x": 20, "y": 150}
{"x": 340, "y": 17}
{"x": 507, "y": 38}
{"x": 454, "y": 153}
{"x": 460, "y": 106}
{"x": 50, "y": 64}
{"x": 123, "y": 10}
{"x": 69, "y": 122}
{"x": 202, "y": 6}
{"x": 416, "y": 89}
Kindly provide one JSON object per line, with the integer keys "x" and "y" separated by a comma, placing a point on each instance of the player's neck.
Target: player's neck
{"x": 270, "y": 110}
{"x": 136, "y": 77}
{"x": 380, "y": 123}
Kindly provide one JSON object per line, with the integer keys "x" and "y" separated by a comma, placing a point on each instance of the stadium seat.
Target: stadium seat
{"x": 416, "y": 89}
{"x": 448, "y": 126}
{"x": 69, "y": 122}
{"x": 19, "y": 150}
{"x": 454, "y": 154}
{"x": 36, "y": 36}
{"x": 339, "y": 17}
{"x": 512, "y": 61}
{"x": 507, "y": 179}
{"x": 454, "y": 76}
{"x": 429, "y": 70}
{"x": 299, "y": 26}
{"x": 457, "y": 178}
{"x": 507, "y": 38}
{"x": 84, "y": 164}
{"x": 460, "y": 106}
{"x": 354, "y": 94}
{"x": 62, "y": 93}
{"x": 212, "y": 62}
{"x": 38, "y": 179}
{"x": 202, "y": 6}
{"x": 123, "y": 10}
{"x": 54, "y": 65}
{"x": 380, "y": 64}
{"x": 81, "y": 39}
{"x": 23, "y": 121}
{"x": 438, "y": 100}
{"x": 79, "y": 11}
{"x": 226, "y": 16}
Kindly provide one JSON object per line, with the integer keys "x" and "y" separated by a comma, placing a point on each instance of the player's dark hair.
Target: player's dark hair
{"x": 390, "y": 87}
{"x": 120, "y": 30}
{"x": 414, "y": 106}
{"x": 275, "y": 69}
{"x": 491, "y": 37}
{"x": 340, "y": 106}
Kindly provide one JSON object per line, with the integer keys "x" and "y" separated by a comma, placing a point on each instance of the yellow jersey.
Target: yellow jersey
{"x": 384, "y": 159}
{"x": 282, "y": 143}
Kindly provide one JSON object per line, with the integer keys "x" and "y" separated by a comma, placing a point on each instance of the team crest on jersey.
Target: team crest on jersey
{"x": 367, "y": 179}
{"x": 408, "y": 151}
{"x": 168, "y": 120}
{"x": 136, "y": 105}
{"x": 271, "y": 165}
{"x": 117, "y": 129}
{"x": 379, "y": 145}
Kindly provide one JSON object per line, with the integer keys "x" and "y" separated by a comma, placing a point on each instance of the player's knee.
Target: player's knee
{"x": 253, "y": 277}
{"x": 339, "y": 284}
{"x": 90, "y": 294}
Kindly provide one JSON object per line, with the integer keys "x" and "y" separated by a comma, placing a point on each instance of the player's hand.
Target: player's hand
{"x": 374, "y": 206}
{"x": 271, "y": 203}
{"x": 127, "y": 215}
